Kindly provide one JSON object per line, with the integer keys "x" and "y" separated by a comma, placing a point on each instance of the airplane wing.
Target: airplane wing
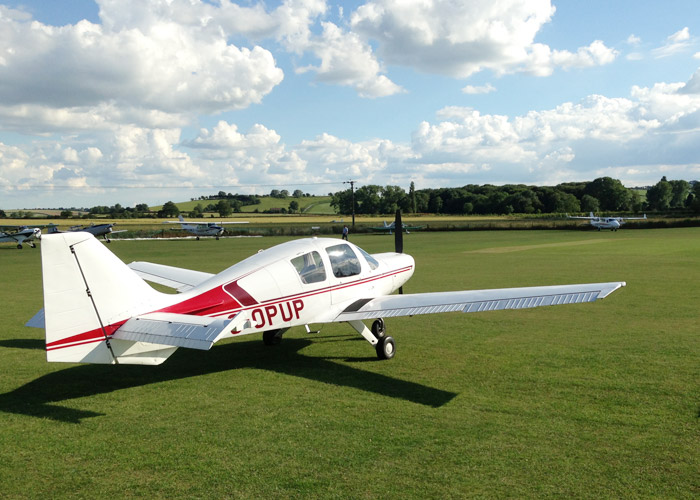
{"x": 476, "y": 300}
{"x": 179, "y": 330}
{"x": 174, "y": 277}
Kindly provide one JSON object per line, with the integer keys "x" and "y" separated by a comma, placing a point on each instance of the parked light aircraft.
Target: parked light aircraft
{"x": 99, "y": 310}
{"x": 612, "y": 223}
{"x": 20, "y": 234}
{"x": 204, "y": 229}
{"x": 94, "y": 229}
{"x": 390, "y": 228}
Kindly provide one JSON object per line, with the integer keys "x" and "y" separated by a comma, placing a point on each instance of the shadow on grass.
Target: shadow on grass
{"x": 23, "y": 343}
{"x": 38, "y": 397}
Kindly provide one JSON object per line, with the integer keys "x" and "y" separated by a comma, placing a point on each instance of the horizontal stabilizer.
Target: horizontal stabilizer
{"x": 476, "y": 300}
{"x": 173, "y": 277}
{"x": 180, "y": 330}
{"x": 37, "y": 321}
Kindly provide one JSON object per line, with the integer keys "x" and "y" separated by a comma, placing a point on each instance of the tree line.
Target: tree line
{"x": 602, "y": 194}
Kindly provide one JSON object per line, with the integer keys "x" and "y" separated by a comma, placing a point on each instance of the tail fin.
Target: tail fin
{"x": 88, "y": 294}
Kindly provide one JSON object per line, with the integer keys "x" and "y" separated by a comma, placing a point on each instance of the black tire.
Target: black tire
{"x": 378, "y": 328}
{"x": 272, "y": 337}
{"x": 386, "y": 348}
{"x": 19, "y": 246}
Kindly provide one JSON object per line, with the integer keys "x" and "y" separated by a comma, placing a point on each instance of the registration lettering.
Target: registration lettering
{"x": 276, "y": 313}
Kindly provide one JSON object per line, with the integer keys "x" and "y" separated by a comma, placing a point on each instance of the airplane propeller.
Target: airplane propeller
{"x": 398, "y": 237}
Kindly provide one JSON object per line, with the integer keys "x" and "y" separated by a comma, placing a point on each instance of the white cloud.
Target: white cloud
{"x": 462, "y": 38}
{"x": 346, "y": 60}
{"x": 634, "y": 40}
{"x": 140, "y": 58}
{"x": 479, "y": 89}
{"x": 675, "y": 43}
{"x": 596, "y": 54}
{"x": 652, "y": 126}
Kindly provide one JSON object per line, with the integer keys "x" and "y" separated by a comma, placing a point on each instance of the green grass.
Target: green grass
{"x": 583, "y": 401}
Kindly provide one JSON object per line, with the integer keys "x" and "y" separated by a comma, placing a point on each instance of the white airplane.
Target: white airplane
{"x": 390, "y": 228}
{"x": 94, "y": 229}
{"x": 99, "y": 310}
{"x": 612, "y": 223}
{"x": 204, "y": 229}
{"x": 22, "y": 234}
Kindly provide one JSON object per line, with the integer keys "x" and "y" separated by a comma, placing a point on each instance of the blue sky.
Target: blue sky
{"x": 136, "y": 101}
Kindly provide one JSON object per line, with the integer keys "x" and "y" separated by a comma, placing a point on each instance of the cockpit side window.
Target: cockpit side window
{"x": 344, "y": 262}
{"x": 373, "y": 264}
{"x": 310, "y": 267}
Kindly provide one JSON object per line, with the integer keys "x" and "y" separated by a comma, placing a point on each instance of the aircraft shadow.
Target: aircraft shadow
{"x": 23, "y": 343}
{"x": 38, "y": 398}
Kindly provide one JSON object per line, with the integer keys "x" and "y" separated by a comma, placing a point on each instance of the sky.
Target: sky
{"x": 145, "y": 101}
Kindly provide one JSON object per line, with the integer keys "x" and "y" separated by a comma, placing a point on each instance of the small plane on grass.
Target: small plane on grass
{"x": 99, "y": 310}
{"x": 94, "y": 229}
{"x": 612, "y": 223}
{"x": 19, "y": 235}
{"x": 390, "y": 228}
{"x": 203, "y": 228}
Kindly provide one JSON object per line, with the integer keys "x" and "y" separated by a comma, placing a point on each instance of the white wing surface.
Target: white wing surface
{"x": 174, "y": 277}
{"x": 178, "y": 330}
{"x": 476, "y": 300}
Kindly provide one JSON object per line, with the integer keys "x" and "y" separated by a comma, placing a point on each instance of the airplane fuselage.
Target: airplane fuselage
{"x": 611, "y": 223}
{"x": 203, "y": 229}
{"x": 273, "y": 291}
{"x": 23, "y": 234}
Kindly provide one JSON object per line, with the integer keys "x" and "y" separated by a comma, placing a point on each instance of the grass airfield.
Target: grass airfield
{"x": 589, "y": 400}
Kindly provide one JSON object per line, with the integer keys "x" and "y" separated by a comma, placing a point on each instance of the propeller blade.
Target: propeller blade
{"x": 398, "y": 233}
{"x": 398, "y": 237}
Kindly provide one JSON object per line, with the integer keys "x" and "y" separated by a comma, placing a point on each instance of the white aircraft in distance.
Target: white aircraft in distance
{"x": 390, "y": 228}
{"x": 203, "y": 228}
{"x": 20, "y": 234}
{"x": 99, "y": 310}
{"x": 94, "y": 229}
{"x": 612, "y": 223}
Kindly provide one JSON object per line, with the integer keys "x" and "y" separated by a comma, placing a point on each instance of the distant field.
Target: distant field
{"x": 317, "y": 204}
{"x": 582, "y": 401}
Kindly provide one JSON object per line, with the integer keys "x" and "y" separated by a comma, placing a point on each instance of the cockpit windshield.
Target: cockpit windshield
{"x": 344, "y": 262}
{"x": 373, "y": 264}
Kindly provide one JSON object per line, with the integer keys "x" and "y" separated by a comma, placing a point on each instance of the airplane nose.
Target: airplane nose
{"x": 37, "y": 234}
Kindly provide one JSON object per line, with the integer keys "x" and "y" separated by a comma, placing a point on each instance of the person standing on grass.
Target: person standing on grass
{"x": 345, "y": 233}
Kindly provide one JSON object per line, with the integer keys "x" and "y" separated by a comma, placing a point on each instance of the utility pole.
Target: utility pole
{"x": 352, "y": 191}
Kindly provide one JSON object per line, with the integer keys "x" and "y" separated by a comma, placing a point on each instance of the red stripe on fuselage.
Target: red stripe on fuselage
{"x": 95, "y": 335}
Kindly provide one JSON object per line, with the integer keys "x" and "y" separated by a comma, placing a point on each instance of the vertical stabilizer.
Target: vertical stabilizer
{"x": 88, "y": 294}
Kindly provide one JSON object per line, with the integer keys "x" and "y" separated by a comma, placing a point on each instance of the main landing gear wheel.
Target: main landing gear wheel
{"x": 272, "y": 337}
{"x": 386, "y": 348}
{"x": 378, "y": 329}
{"x": 19, "y": 246}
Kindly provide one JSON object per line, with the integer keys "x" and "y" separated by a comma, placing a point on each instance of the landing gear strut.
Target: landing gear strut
{"x": 384, "y": 345}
